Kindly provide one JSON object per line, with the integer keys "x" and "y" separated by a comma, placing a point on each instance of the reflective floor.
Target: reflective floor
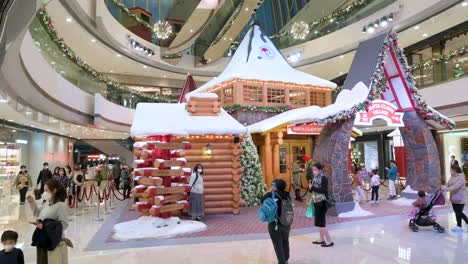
{"x": 379, "y": 240}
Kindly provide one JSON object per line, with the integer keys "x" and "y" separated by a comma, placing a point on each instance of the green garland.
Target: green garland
{"x": 443, "y": 58}
{"x": 127, "y": 11}
{"x": 379, "y": 86}
{"x": 228, "y": 24}
{"x": 257, "y": 109}
{"x": 46, "y": 21}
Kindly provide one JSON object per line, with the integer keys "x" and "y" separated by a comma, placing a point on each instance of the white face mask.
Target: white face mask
{"x": 199, "y": 170}
{"x": 45, "y": 167}
{"x": 8, "y": 248}
{"x": 46, "y": 196}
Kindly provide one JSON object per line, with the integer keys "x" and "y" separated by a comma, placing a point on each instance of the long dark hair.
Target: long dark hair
{"x": 56, "y": 170}
{"x": 198, "y": 166}
{"x": 64, "y": 171}
{"x": 69, "y": 169}
{"x": 57, "y": 191}
{"x": 456, "y": 168}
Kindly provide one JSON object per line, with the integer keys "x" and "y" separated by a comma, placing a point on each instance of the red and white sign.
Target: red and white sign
{"x": 305, "y": 129}
{"x": 380, "y": 109}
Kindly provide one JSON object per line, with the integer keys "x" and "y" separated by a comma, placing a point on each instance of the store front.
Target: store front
{"x": 454, "y": 143}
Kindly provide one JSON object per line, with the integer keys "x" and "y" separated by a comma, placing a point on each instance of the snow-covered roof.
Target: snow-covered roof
{"x": 173, "y": 119}
{"x": 260, "y": 60}
{"x": 345, "y": 100}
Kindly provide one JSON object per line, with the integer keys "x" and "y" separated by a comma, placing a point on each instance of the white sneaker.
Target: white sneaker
{"x": 457, "y": 229}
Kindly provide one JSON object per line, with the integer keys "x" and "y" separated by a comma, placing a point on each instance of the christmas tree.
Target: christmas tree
{"x": 252, "y": 185}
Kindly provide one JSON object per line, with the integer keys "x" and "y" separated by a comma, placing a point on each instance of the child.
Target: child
{"x": 10, "y": 254}
{"x": 358, "y": 184}
{"x": 418, "y": 204}
{"x": 375, "y": 184}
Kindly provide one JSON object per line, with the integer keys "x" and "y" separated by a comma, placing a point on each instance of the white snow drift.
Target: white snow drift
{"x": 356, "y": 212}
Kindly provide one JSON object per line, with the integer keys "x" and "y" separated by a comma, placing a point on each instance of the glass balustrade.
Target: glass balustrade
{"x": 80, "y": 78}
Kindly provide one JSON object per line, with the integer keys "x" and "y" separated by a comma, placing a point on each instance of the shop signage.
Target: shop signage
{"x": 305, "y": 129}
{"x": 380, "y": 109}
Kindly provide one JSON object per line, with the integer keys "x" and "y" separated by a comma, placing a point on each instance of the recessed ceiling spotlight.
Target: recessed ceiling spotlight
{"x": 464, "y": 4}
{"x": 164, "y": 76}
{"x": 52, "y": 62}
{"x": 341, "y": 56}
{"x": 191, "y": 31}
{"x": 111, "y": 71}
{"x": 28, "y": 113}
{"x": 93, "y": 40}
{"x": 425, "y": 35}
{"x": 370, "y": 29}
{"x": 10, "y": 120}
{"x": 69, "y": 19}
{"x": 118, "y": 55}
{"x": 383, "y": 22}
{"x": 246, "y": 9}
{"x": 14, "y": 130}
{"x": 144, "y": 66}
{"x": 340, "y": 73}
{"x": 416, "y": 27}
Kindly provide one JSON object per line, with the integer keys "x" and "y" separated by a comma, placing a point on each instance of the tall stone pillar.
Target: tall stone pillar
{"x": 332, "y": 151}
{"x": 423, "y": 164}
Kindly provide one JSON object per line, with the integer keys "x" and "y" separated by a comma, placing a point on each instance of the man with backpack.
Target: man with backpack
{"x": 277, "y": 210}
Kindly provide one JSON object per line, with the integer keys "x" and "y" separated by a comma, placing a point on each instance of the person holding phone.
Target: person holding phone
{"x": 196, "y": 206}
{"x": 54, "y": 209}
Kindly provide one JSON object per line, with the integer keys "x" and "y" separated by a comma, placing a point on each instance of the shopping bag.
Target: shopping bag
{"x": 310, "y": 212}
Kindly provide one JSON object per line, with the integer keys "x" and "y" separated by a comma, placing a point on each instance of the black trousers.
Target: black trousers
{"x": 117, "y": 183}
{"x": 23, "y": 192}
{"x": 126, "y": 191}
{"x": 280, "y": 239}
{"x": 375, "y": 192}
{"x": 459, "y": 215}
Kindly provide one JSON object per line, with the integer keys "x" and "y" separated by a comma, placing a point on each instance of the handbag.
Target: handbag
{"x": 310, "y": 212}
{"x": 195, "y": 181}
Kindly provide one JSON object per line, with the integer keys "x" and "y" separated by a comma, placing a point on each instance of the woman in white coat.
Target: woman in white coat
{"x": 196, "y": 203}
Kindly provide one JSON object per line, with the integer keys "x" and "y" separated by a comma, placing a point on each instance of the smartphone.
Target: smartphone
{"x": 273, "y": 186}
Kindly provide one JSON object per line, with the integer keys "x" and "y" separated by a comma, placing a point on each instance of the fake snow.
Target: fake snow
{"x": 356, "y": 212}
{"x": 155, "y": 227}
{"x": 409, "y": 190}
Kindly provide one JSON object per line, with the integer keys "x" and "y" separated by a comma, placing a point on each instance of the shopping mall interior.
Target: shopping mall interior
{"x": 233, "y": 131}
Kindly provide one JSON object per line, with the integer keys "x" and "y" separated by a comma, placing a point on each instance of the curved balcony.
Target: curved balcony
{"x": 76, "y": 75}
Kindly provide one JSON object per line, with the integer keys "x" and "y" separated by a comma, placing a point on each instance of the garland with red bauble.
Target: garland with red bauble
{"x": 257, "y": 109}
{"x": 46, "y": 21}
{"x": 379, "y": 86}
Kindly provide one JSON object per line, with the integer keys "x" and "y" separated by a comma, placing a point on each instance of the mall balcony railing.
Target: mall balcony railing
{"x": 80, "y": 78}
{"x": 440, "y": 73}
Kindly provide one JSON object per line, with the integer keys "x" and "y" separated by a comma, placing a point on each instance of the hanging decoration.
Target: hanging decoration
{"x": 299, "y": 30}
{"x": 451, "y": 56}
{"x": 458, "y": 71}
{"x": 162, "y": 29}
{"x": 379, "y": 85}
{"x": 46, "y": 21}
{"x": 258, "y": 109}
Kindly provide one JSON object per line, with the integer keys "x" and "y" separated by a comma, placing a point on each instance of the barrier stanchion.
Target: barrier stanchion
{"x": 106, "y": 211}
{"x": 98, "y": 217}
{"x": 92, "y": 204}
{"x": 111, "y": 197}
{"x": 85, "y": 207}
{"x": 75, "y": 198}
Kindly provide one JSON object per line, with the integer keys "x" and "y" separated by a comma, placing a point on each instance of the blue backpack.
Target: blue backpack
{"x": 269, "y": 210}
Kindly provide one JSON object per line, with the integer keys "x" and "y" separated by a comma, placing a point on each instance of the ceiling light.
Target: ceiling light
{"x": 425, "y": 35}
{"x": 316, "y": 32}
{"x": 340, "y": 73}
{"x": 341, "y": 56}
{"x": 416, "y": 27}
{"x": 370, "y": 29}
{"x": 93, "y": 40}
{"x": 376, "y": 24}
{"x": 69, "y": 19}
{"x": 164, "y": 76}
{"x": 246, "y": 9}
{"x": 3, "y": 100}
{"x": 10, "y": 120}
{"x": 144, "y": 66}
{"x": 383, "y": 22}
{"x": 28, "y": 113}
{"x": 464, "y": 4}
{"x": 111, "y": 71}
{"x": 14, "y": 130}
{"x": 390, "y": 17}
{"x": 191, "y": 31}
{"x": 118, "y": 55}
{"x": 52, "y": 62}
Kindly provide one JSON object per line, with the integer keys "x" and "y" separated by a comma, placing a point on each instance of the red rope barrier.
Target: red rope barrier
{"x": 120, "y": 199}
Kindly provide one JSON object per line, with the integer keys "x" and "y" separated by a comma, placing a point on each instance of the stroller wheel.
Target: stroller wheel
{"x": 414, "y": 228}
{"x": 441, "y": 229}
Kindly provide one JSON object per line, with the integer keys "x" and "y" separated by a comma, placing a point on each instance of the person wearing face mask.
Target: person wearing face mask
{"x": 22, "y": 183}
{"x": 62, "y": 178}
{"x": 196, "y": 206}
{"x": 10, "y": 254}
{"x": 52, "y": 221}
{"x": 44, "y": 176}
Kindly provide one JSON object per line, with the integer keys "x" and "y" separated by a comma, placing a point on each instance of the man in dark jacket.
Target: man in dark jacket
{"x": 44, "y": 176}
{"x": 117, "y": 174}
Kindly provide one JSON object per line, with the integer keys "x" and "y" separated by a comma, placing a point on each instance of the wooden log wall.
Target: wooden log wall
{"x": 222, "y": 172}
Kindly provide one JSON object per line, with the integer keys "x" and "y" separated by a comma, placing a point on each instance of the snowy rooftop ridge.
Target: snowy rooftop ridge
{"x": 173, "y": 119}
{"x": 261, "y": 61}
{"x": 346, "y": 99}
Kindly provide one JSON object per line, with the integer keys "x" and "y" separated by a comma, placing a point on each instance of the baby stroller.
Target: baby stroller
{"x": 424, "y": 217}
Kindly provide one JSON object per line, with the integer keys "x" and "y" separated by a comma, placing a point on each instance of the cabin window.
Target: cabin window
{"x": 275, "y": 96}
{"x": 317, "y": 98}
{"x": 252, "y": 93}
{"x": 297, "y": 98}
{"x": 228, "y": 95}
